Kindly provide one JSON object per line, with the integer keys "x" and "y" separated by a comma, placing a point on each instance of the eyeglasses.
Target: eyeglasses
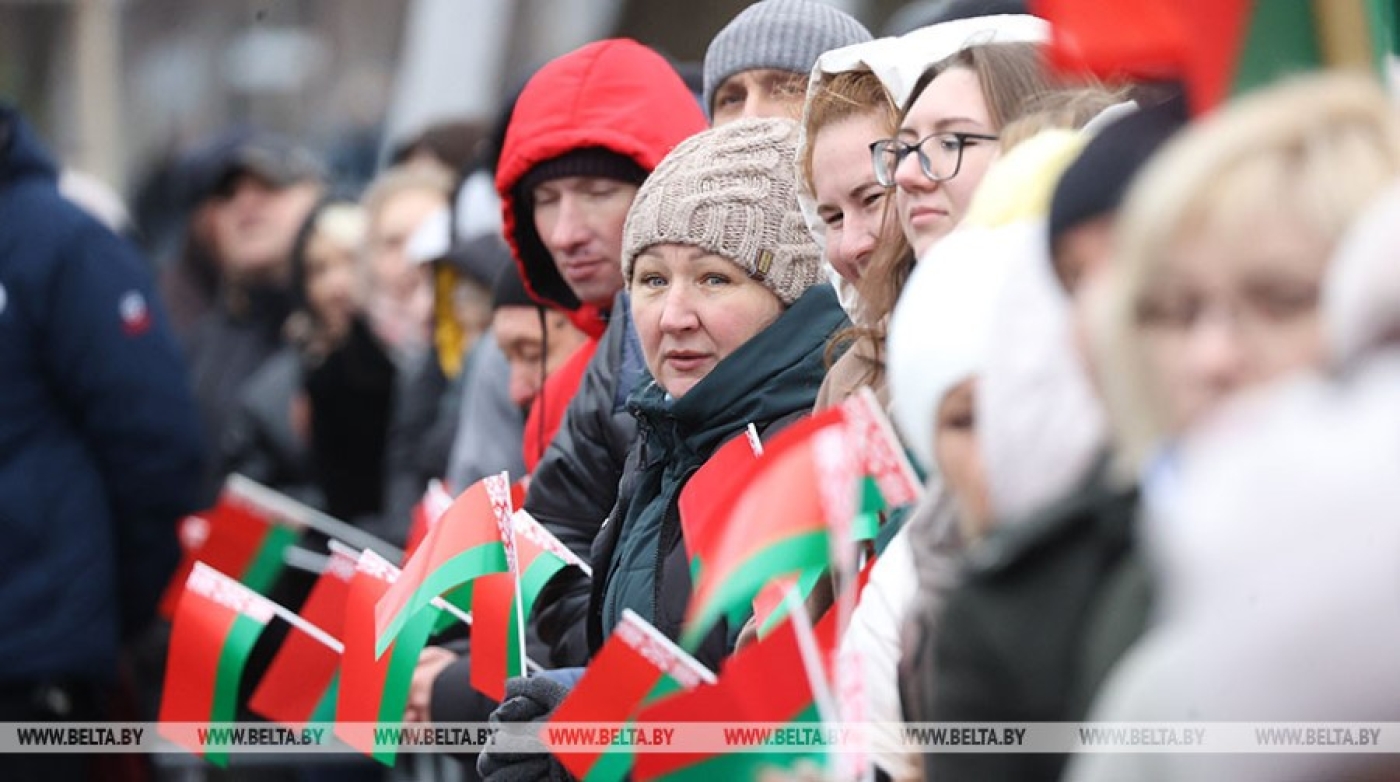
{"x": 939, "y": 164}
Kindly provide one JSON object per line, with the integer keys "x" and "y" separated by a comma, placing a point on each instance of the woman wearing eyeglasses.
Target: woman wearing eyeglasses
{"x": 949, "y": 134}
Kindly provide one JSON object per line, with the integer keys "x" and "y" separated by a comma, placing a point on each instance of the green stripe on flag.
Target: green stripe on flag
{"x": 407, "y": 649}
{"x": 789, "y": 555}
{"x": 535, "y": 577}
{"x": 242, "y": 634}
{"x": 805, "y": 584}
{"x": 267, "y": 563}
{"x": 749, "y": 763}
{"x": 475, "y": 561}
{"x": 1281, "y": 39}
{"x": 325, "y": 708}
{"x": 616, "y": 762}
{"x": 461, "y": 597}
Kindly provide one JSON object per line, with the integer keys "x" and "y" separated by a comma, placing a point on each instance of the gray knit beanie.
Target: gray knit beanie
{"x": 783, "y": 35}
{"x": 731, "y": 191}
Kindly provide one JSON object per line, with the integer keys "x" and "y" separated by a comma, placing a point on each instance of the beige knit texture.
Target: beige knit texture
{"x": 731, "y": 191}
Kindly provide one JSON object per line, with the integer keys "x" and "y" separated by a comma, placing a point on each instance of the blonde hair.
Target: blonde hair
{"x": 1067, "y": 109}
{"x": 839, "y": 97}
{"x": 407, "y": 177}
{"x": 1316, "y": 148}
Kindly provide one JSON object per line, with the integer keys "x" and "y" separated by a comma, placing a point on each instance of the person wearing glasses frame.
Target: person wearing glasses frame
{"x": 951, "y": 129}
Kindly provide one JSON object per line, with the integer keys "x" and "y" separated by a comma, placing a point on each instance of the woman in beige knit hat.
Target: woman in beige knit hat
{"x": 732, "y": 312}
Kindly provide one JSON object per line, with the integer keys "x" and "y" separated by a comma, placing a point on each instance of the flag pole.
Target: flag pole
{"x": 304, "y": 515}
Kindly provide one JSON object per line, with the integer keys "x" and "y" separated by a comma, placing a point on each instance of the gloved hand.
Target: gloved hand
{"x": 528, "y": 699}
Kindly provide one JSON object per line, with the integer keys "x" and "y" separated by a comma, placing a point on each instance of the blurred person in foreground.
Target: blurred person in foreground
{"x": 1275, "y": 562}
{"x": 99, "y": 453}
{"x": 1219, "y": 254}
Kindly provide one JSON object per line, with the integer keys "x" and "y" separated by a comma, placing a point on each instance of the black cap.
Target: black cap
{"x": 272, "y": 158}
{"x": 509, "y": 290}
{"x": 585, "y": 161}
{"x": 480, "y": 259}
{"x": 1095, "y": 183}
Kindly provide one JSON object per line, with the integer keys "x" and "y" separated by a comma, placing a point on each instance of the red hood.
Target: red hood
{"x": 615, "y": 94}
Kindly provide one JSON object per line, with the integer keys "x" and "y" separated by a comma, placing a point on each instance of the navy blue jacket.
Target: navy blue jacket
{"x": 99, "y": 437}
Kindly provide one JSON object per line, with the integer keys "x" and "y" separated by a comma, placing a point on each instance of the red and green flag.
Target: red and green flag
{"x": 234, "y": 537}
{"x": 217, "y": 621}
{"x": 502, "y": 602}
{"x": 776, "y": 523}
{"x": 773, "y": 681}
{"x": 1218, "y": 48}
{"x": 471, "y": 540}
{"x": 300, "y": 683}
{"x": 636, "y": 665}
{"x": 373, "y": 688}
{"x": 703, "y": 499}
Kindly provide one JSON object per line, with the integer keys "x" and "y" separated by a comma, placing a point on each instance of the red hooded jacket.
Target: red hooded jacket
{"x": 615, "y": 94}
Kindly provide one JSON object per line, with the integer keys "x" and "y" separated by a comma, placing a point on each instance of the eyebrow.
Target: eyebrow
{"x": 944, "y": 125}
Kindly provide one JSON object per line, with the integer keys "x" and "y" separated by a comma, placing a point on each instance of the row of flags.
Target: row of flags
{"x": 762, "y": 523}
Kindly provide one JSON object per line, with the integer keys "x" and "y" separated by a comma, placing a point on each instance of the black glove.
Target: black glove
{"x": 528, "y": 699}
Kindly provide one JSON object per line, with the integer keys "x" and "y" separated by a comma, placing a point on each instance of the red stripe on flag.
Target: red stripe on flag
{"x": 303, "y": 669}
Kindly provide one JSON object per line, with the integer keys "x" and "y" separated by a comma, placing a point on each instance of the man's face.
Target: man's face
{"x": 533, "y": 357}
{"x": 254, "y": 223}
{"x": 580, "y": 221}
{"x": 764, "y": 93}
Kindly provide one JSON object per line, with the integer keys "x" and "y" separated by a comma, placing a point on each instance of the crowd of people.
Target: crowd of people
{"x": 1139, "y": 355}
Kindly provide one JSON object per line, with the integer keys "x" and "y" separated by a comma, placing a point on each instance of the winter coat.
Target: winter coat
{"x": 100, "y": 447}
{"x": 227, "y": 348}
{"x": 575, "y": 486}
{"x": 262, "y": 441}
{"x": 639, "y": 560}
{"x": 1045, "y": 609}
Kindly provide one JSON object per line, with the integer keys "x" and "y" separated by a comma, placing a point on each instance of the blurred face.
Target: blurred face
{"x": 331, "y": 283}
{"x": 850, "y": 203}
{"x": 765, "y": 93}
{"x": 1225, "y": 313}
{"x": 254, "y": 224}
{"x": 928, "y": 210}
{"x": 959, "y": 457}
{"x": 389, "y": 231}
{"x": 580, "y": 221}
{"x": 517, "y": 330}
{"x": 692, "y": 309}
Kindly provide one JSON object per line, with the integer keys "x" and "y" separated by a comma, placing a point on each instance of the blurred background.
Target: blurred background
{"x": 120, "y": 87}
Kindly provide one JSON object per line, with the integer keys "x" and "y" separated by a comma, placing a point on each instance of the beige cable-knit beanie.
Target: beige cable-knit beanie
{"x": 731, "y": 191}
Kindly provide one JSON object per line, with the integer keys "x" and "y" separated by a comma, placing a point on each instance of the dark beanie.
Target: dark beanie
{"x": 585, "y": 161}
{"x": 480, "y": 259}
{"x": 509, "y": 290}
{"x": 1094, "y": 184}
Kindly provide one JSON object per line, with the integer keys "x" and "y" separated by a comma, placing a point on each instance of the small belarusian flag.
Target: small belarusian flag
{"x": 471, "y": 540}
{"x": 374, "y": 688}
{"x": 783, "y": 678}
{"x": 705, "y": 496}
{"x": 233, "y": 537}
{"x": 502, "y": 602}
{"x": 217, "y": 621}
{"x": 776, "y": 524}
{"x": 636, "y": 665}
{"x": 299, "y": 685}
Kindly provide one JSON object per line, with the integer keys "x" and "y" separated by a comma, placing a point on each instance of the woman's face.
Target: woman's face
{"x": 850, "y": 203}
{"x": 959, "y": 456}
{"x": 692, "y": 309}
{"x": 1226, "y": 312}
{"x": 951, "y": 103}
{"x": 331, "y": 283}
